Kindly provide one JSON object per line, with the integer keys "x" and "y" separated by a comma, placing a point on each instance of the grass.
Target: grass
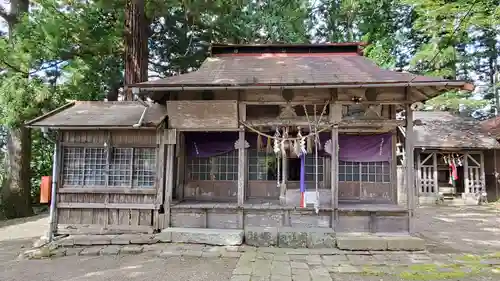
{"x": 464, "y": 267}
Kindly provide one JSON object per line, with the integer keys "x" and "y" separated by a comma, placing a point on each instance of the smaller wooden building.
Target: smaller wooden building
{"x": 107, "y": 161}
{"x": 455, "y": 160}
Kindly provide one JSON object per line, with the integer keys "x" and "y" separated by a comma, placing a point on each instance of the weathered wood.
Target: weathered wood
{"x": 466, "y": 173}
{"x": 242, "y": 111}
{"x": 75, "y": 229}
{"x": 101, "y": 144}
{"x": 435, "y": 173}
{"x": 335, "y": 175}
{"x": 203, "y": 114}
{"x": 242, "y": 160}
{"x": 302, "y": 121}
{"x": 160, "y": 174}
{"x": 170, "y": 136}
{"x": 132, "y": 206}
{"x": 410, "y": 171}
{"x": 482, "y": 174}
{"x": 335, "y": 113}
{"x": 181, "y": 166}
{"x": 283, "y": 180}
{"x": 394, "y": 167}
{"x": 169, "y": 184}
{"x": 105, "y": 190}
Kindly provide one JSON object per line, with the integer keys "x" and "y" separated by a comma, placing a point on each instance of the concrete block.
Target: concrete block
{"x": 321, "y": 238}
{"x": 289, "y": 237}
{"x": 164, "y": 237}
{"x": 364, "y": 242}
{"x": 261, "y": 236}
{"x": 209, "y": 236}
{"x": 405, "y": 243}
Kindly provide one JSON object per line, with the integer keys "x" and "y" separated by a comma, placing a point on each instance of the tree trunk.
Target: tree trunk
{"x": 16, "y": 188}
{"x": 136, "y": 44}
{"x": 16, "y": 191}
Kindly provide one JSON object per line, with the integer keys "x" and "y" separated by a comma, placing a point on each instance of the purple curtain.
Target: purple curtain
{"x": 201, "y": 144}
{"x": 365, "y": 148}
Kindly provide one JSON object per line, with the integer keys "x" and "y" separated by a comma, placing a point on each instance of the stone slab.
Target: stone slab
{"x": 209, "y": 236}
{"x": 289, "y": 237}
{"x": 261, "y": 236}
{"x": 405, "y": 243}
{"x": 320, "y": 238}
{"x": 362, "y": 242}
{"x": 164, "y": 237}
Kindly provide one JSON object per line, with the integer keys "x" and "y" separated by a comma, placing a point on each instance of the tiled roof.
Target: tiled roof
{"x": 447, "y": 130}
{"x": 90, "y": 114}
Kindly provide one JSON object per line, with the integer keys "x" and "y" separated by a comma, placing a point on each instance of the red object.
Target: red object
{"x": 45, "y": 189}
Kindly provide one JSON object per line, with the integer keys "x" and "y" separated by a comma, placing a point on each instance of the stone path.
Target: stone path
{"x": 471, "y": 229}
{"x": 463, "y": 244}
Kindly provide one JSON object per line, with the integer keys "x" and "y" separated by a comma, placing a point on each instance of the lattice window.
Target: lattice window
{"x": 120, "y": 167}
{"x": 222, "y": 167}
{"x": 73, "y": 165}
{"x": 261, "y": 165}
{"x": 311, "y": 167}
{"x": 84, "y": 166}
{"x": 88, "y": 166}
{"x": 364, "y": 171}
{"x": 144, "y": 167}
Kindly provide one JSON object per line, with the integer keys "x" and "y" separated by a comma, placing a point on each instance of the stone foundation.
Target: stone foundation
{"x": 281, "y": 237}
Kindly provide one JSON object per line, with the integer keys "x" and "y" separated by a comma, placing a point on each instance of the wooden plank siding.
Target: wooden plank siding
{"x": 108, "y": 209}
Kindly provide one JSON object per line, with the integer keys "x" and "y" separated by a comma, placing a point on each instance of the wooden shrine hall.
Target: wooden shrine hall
{"x": 260, "y": 137}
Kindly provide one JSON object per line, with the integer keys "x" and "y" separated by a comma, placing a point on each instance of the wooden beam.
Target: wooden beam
{"x": 106, "y": 190}
{"x": 271, "y": 122}
{"x": 342, "y": 102}
{"x": 129, "y": 206}
{"x": 482, "y": 175}
{"x": 410, "y": 168}
{"x": 435, "y": 173}
{"x": 74, "y": 229}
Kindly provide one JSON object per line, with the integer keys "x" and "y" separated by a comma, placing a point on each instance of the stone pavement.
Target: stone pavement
{"x": 462, "y": 245}
{"x": 471, "y": 229}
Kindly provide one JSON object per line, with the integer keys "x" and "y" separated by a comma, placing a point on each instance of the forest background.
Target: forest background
{"x": 52, "y": 51}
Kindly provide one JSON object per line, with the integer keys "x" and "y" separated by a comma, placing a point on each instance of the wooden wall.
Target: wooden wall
{"x": 102, "y": 209}
{"x": 491, "y": 168}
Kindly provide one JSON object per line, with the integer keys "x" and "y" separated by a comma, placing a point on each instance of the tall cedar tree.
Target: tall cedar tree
{"x": 15, "y": 197}
{"x": 136, "y": 44}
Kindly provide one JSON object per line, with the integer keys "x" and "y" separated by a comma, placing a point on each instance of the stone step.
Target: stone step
{"x": 379, "y": 242}
{"x": 290, "y": 237}
{"x": 209, "y": 236}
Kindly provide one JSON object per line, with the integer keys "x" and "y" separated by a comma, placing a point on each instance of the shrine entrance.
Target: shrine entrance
{"x": 445, "y": 175}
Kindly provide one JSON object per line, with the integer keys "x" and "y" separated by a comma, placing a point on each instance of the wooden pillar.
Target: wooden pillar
{"x": 180, "y": 165}
{"x": 466, "y": 173}
{"x": 241, "y": 166}
{"x": 435, "y": 173}
{"x": 410, "y": 166}
{"x": 482, "y": 174}
{"x": 284, "y": 177}
{"x": 335, "y": 175}
{"x": 169, "y": 174}
{"x": 394, "y": 168}
{"x": 160, "y": 177}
